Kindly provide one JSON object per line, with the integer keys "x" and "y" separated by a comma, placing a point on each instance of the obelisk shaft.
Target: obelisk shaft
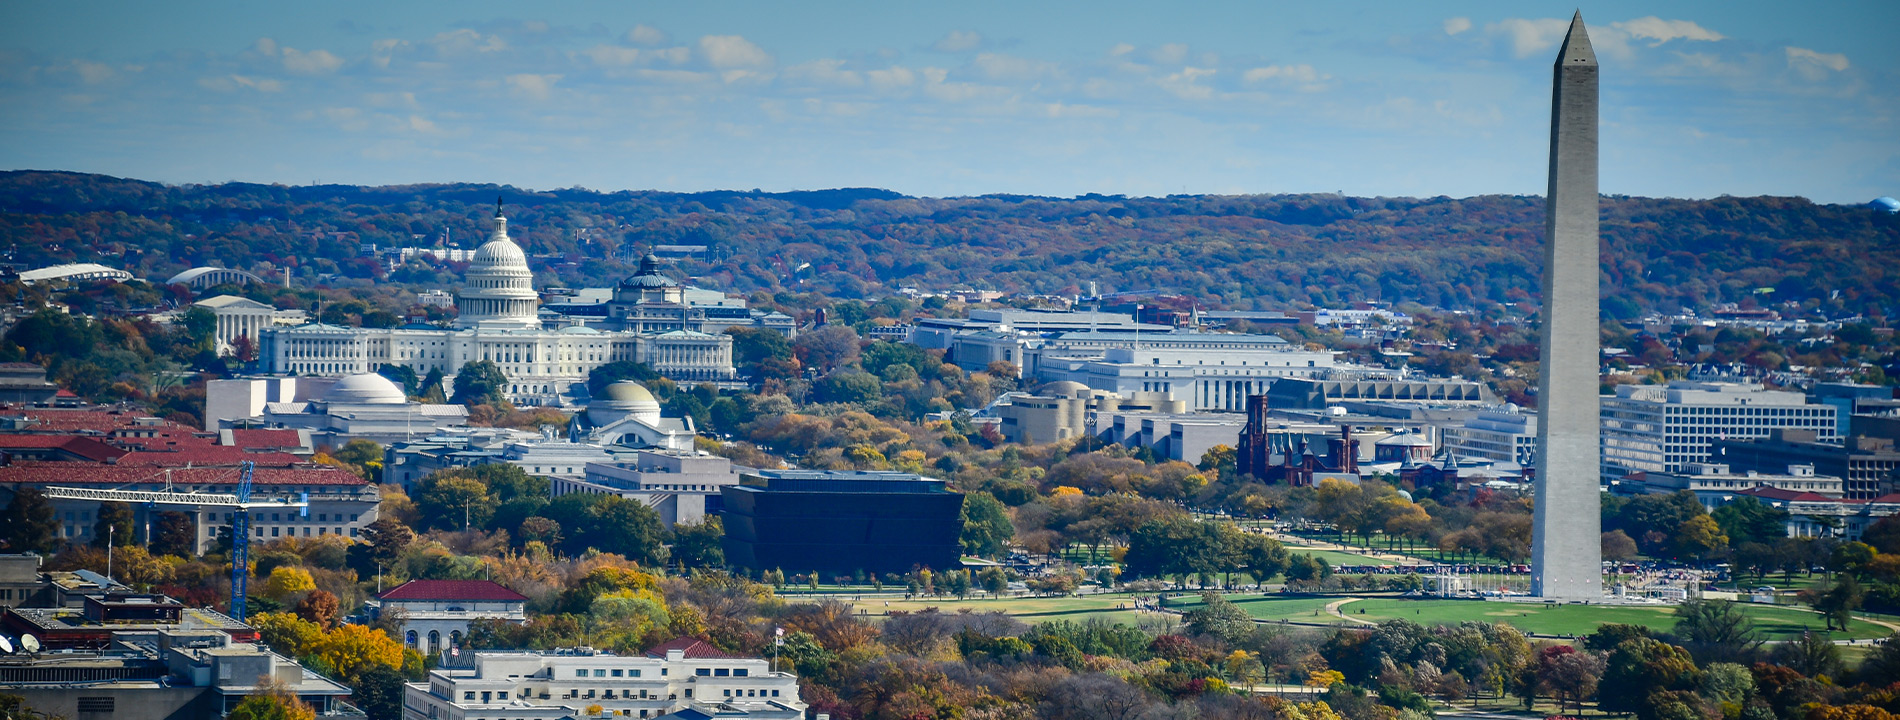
{"x": 1566, "y": 555}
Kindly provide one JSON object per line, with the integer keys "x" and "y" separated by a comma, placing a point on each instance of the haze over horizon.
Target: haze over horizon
{"x": 1699, "y": 99}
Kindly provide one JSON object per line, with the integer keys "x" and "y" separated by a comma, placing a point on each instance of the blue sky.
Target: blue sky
{"x": 1143, "y": 98}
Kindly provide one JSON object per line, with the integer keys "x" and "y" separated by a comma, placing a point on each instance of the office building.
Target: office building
{"x": 682, "y": 486}
{"x": 841, "y": 522}
{"x": 164, "y": 673}
{"x": 1654, "y": 428}
{"x": 1866, "y": 465}
{"x": 1061, "y": 410}
{"x": 677, "y": 676}
{"x": 113, "y": 449}
{"x": 1716, "y": 484}
{"x": 1498, "y": 434}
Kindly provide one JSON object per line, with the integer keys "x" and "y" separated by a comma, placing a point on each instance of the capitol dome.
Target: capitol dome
{"x": 500, "y": 288}
{"x": 366, "y": 389}
{"x": 1886, "y": 203}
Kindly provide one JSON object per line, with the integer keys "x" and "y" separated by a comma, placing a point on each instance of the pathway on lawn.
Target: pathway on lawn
{"x": 1333, "y": 607}
{"x": 1295, "y": 542}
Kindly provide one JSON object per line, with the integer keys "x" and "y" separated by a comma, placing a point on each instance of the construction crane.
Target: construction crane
{"x": 240, "y": 502}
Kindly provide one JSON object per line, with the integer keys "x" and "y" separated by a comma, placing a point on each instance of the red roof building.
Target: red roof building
{"x": 108, "y": 449}
{"x": 436, "y": 613}
{"x": 451, "y": 590}
{"x": 690, "y": 649}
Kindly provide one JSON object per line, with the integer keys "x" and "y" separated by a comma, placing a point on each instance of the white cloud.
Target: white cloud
{"x": 1814, "y": 66}
{"x": 612, "y": 55}
{"x": 997, "y": 66}
{"x": 674, "y": 55}
{"x": 732, "y": 51}
{"x": 1284, "y": 73}
{"x": 1798, "y": 57}
{"x": 464, "y": 40}
{"x": 1169, "y": 54}
{"x": 421, "y": 124}
{"x": 891, "y": 78}
{"x": 1120, "y": 49}
{"x": 233, "y": 82}
{"x": 1662, "y": 31}
{"x": 1185, "y": 84}
{"x": 93, "y": 73}
{"x": 646, "y": 35}
{"x": 1457, "y": 25}
{"x": 265, "y": 46}
{"x": 958, "y": 41}
{"x": 532, "y": 86}
{"x": 1065, "y": 110}
{"x": 382, "y": 50}
{"x": 1530, "y": 37}
{"x": 826, "y": 71}
{"x": 310, "y": 63}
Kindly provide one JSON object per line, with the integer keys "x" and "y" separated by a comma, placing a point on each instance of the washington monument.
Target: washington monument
{"x": 1566, "y": 554}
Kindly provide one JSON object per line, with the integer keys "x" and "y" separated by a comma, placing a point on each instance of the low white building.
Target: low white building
{"x": 1504, "y": 434}
{"x": 629, "y": 415}
{"x": 436, "y": 613}
{"x": 240, "y": 316}
{"x": 335, "y": 411}
{"x": 1715, "y": 485}
{"x": 681, "y": 486}
{"x": 679, "y": 675}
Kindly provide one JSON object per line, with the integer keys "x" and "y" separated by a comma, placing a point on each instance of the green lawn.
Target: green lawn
{"x": 1775, "y": 622}
{"x": 1272, "y": 607}
{"x": 1112, "y": 606}
{"x": 1336, "y": 557}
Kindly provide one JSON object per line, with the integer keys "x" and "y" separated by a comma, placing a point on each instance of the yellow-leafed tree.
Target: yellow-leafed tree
{"x": 351, "y": 649}
{"x": 286, "y": 581}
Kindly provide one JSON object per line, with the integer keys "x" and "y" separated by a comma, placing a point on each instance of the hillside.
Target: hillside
{"x": 1230, "y": 251}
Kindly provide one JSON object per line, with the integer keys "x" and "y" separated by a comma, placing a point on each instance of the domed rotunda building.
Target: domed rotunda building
{"x": 500, "y": 321}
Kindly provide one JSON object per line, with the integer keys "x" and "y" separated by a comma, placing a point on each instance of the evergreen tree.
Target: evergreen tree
{"x": 480, "y": 383}
{"x": 114, "y": 525}
{"x": 28, "y": 524}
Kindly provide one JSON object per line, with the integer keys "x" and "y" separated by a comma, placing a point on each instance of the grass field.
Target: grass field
{"x": 1111, "y": 606}
{"x": 1774, "y": 622}
{"x": 1336, "y": 557}
{"x": 1273, "y": 608}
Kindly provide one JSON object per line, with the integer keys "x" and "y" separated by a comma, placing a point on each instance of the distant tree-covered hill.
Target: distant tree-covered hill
{"x": 1256, "y": 251}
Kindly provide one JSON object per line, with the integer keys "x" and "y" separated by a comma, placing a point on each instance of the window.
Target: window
{"x": 702, "y": 672}
{"x": 722, "y": 672}
{"x": 600, "y": 672}
{"x": 580, "y": 673}
{"x": 617, "y": 672}
{"x": 633, "y": 673}
{"x": 470, "y": 695}
{"x": 740, "y": 672}
{"x": 98, "y": 704}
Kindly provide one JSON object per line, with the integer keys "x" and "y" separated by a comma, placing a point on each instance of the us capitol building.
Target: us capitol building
{"x": 500, "y": 322}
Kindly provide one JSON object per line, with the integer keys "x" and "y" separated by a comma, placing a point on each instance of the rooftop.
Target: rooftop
{"x": 694, "y": 648}
{"x": 474, "y": 590}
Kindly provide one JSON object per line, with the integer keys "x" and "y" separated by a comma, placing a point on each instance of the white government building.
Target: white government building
{"x": 1662, "y": 429}
{"x": 684, "y": 676}
{"x": 499, "y": 322}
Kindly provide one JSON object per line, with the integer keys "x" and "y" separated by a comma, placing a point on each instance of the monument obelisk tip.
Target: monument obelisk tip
{"x": 1576, "y": 48}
